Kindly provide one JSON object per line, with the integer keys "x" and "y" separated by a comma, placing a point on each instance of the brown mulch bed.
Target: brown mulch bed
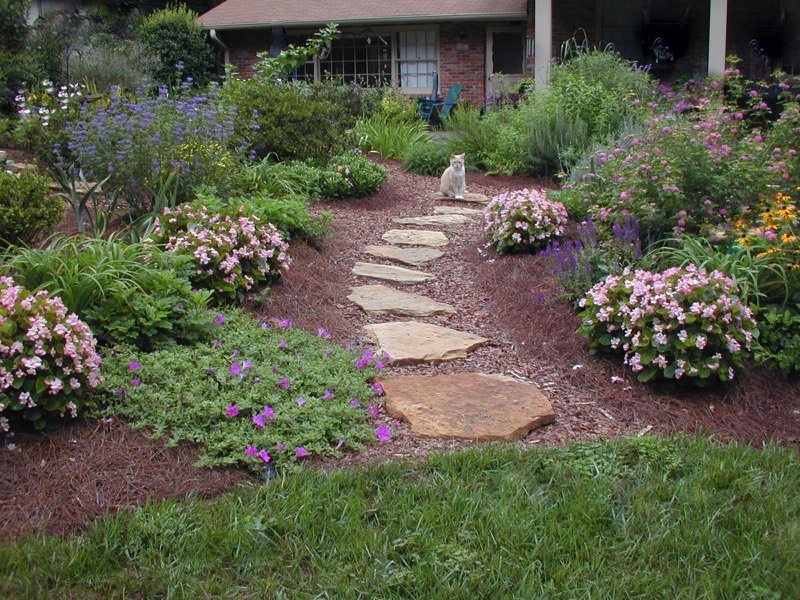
{"x": 58, "y": 481}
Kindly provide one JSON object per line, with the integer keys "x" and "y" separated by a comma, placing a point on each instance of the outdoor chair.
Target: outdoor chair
{"x": 436, "y": 111}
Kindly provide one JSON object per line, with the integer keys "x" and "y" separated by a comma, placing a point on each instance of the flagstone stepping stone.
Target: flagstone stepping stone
{"x": 413, "y": 342}
{"x": 468, "y": 197}
{"x": 385, "y": 300}
{"x": 415, "y": 237}
{"x": 407, "y": 256}
{"x": 456, "y": 210}
{"x": 391, "y": 273}
{"x": 433, "y": 220}
{"x": 472, "y": 406}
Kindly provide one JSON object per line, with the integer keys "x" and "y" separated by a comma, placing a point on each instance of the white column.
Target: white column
{"x": 718, "y": 24}
{"x": 543, "y": 40}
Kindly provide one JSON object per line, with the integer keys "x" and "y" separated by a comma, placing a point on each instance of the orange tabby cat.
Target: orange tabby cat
{"x": 453, "y": 183}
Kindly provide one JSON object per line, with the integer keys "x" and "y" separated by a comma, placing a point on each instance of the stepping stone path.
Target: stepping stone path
{"x": 468, "y": 197}
{"x": 415, "y": 237}
{"x": 384, "y": 300}
{"x": 390, "y": 273}
{"x": 408, "y": 256}
{"x": 472, "y": 406}
{"x": 434, "y": 220}
{"x": 467, "y": 405}
{"x": 456, "y": 210}
{"x": 411, "y": 342}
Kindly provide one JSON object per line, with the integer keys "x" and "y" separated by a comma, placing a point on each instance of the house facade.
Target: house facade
{"x": 488, "y": 45}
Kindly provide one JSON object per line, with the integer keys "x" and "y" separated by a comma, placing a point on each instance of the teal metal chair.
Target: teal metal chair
{"x": 435, "y": 111}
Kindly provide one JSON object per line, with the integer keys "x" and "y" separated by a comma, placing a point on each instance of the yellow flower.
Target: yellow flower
{"x": 787, "y": 212}
{"x": 743, "y": 241}
{"x": 788, "y": 239}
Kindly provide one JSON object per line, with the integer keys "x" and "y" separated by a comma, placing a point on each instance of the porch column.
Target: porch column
{"x": 718, "y": 24}
{"x": 543, "y": 40}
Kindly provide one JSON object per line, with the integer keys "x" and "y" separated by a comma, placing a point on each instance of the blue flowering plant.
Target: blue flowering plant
{"x": 681, "y": 324}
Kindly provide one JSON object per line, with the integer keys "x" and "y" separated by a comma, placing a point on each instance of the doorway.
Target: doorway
{"x": 505, "y": 59}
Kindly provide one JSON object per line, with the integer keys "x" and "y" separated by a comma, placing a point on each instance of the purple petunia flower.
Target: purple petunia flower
{"x": 285, "y": 324}
{"x": 219, "y": 319}
{"x": 263, "y": 455}
{"x": 324, "y": 333}
{"x": 328, "y": 395}
{"x": 284, "y": 383}
{"x": 280, "y": 447}
{"x": 236, "y": 368}
{"x": 378, "y": 388}
{"x": 268, "y": 412}
{"x": 134, "y": 366}
{"x": 136, "y": 382}
{"x": 259, "y": 420}
{"x": 339, "y": 444}
{"x": 283, "y": 344}
{"x": 383, "y": 433}
{"x": 216, "y": 344}
{"x": 300, "y": 452}
{"x": 301, "y": 401}
{"x": 373, "y": 410}
{"x": 232, "y": 411}
{"x": 251, "y": 450}
{"x": 355, "y": 403}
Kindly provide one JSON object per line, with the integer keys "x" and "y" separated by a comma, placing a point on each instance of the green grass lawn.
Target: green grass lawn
{"x": 629, "y": 518}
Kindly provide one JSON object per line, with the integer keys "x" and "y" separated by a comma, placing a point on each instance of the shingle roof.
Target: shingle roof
{"x": 236, "y": 14}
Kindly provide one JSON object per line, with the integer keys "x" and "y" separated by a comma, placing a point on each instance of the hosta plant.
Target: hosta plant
{"x": 47, "y": 357}
{"x": 232, "y": 250}
{"x": 523, "y": 219}
{"x": 683, "y": 323}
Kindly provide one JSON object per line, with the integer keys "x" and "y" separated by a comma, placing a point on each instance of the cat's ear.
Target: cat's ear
{"x": 461, "y": 156}
{"x": 452, "y": 156}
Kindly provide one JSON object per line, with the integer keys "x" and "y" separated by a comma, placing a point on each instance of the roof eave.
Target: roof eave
{"x": 382, "y": 21}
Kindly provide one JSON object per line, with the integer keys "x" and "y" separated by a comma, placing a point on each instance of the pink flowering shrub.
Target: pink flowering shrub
{"x": 47, "y": 357}
{"x": 682, "y": 323}
{"x": 523, "y": 219}
{"x": 232, "y": 250}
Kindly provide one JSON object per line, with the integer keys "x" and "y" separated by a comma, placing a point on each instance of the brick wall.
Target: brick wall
{"x": 462, "y": 59}
{"x": 243, "y": 46}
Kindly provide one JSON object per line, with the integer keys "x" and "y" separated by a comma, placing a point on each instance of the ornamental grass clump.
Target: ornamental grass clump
{"x": 523, "y": 219}
{"x": 47, "y": 357}
{"x": 232, "y": 250}
{"x": 683, "y": 323}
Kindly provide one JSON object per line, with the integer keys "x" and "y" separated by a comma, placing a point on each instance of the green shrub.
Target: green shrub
{"x": 682, "y": 324}
{"x": 275, "y": 390}
{"x": 100, "y": 67}
{"x": 129, "y": 294}
{"x": 351, "y": 175}
{"x": 351, "y": 101}
{"x": 281, "y": 178}
{"x": 48, "y": 359}
{"x": 779, "y": 339}
{"x": 232, "y": 250}
{"x": 475, "y": 137}
{"x": 388, "y": 137}
{"x": 555, "y": 139}
{"x": 427, "y": 159}
{"x": 15, "y": 64}
{"x": 284, "y": 120}
{"x": 26, "y": 208}
{"x": 181, "y": 46}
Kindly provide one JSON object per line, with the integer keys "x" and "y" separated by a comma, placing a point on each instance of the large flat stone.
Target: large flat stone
{"x": 456, "y": 210}
{"x": 468, "y": 197}
{"x": 429, "y": 220}
{"x": 391, "y": 273}
{"x": 467, "y": 405}
{"x": 415, "y": 237}
{"x": 413, "y": 342}
{"x": 384, "y": 300}
{"x": 407, "y": 256}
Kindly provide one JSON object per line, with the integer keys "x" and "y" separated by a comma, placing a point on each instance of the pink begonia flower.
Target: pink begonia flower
{"x": 300, "y": 452}
{"x": 383, "y": 433}
{"x": 232, "y": 411}
{"x": 134, "y": 366}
